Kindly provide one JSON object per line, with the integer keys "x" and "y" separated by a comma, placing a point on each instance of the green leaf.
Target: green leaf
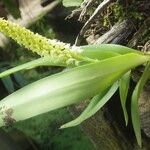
{"x": 90, "y": 106}
{"x": 109, "y": 48}
{"x": 20, "y": 80}
{"x": 8, "y": 83}
{"x": 67, "y": 87}
{"x": 104, "y": 51}
{"x": 72, "y": 3}
{"x": 123, "y": 90}
{"x": 96, "y": 104}
{"x": 12, "y": 7}
{"x": 44, "y": 61}
{"x": 134, "y": 103}
{"x": 97, "y": 54}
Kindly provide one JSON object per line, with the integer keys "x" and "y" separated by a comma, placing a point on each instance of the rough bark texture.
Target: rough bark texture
{"x": 144, "y": 107}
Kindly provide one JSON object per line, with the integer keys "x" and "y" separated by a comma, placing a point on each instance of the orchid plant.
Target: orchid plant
{"x": 104, "y": 68}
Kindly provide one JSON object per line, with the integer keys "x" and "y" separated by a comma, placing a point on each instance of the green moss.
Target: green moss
{"x": 44, "y": 130}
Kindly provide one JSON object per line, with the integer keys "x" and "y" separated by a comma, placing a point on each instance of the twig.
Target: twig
{"x": 78, "y": 10}
{"x": 84, "y": 9}
{"x": 99, "y": 9}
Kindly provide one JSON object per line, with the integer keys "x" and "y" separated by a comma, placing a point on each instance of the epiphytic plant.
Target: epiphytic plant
{"x": 104, "y": 67}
